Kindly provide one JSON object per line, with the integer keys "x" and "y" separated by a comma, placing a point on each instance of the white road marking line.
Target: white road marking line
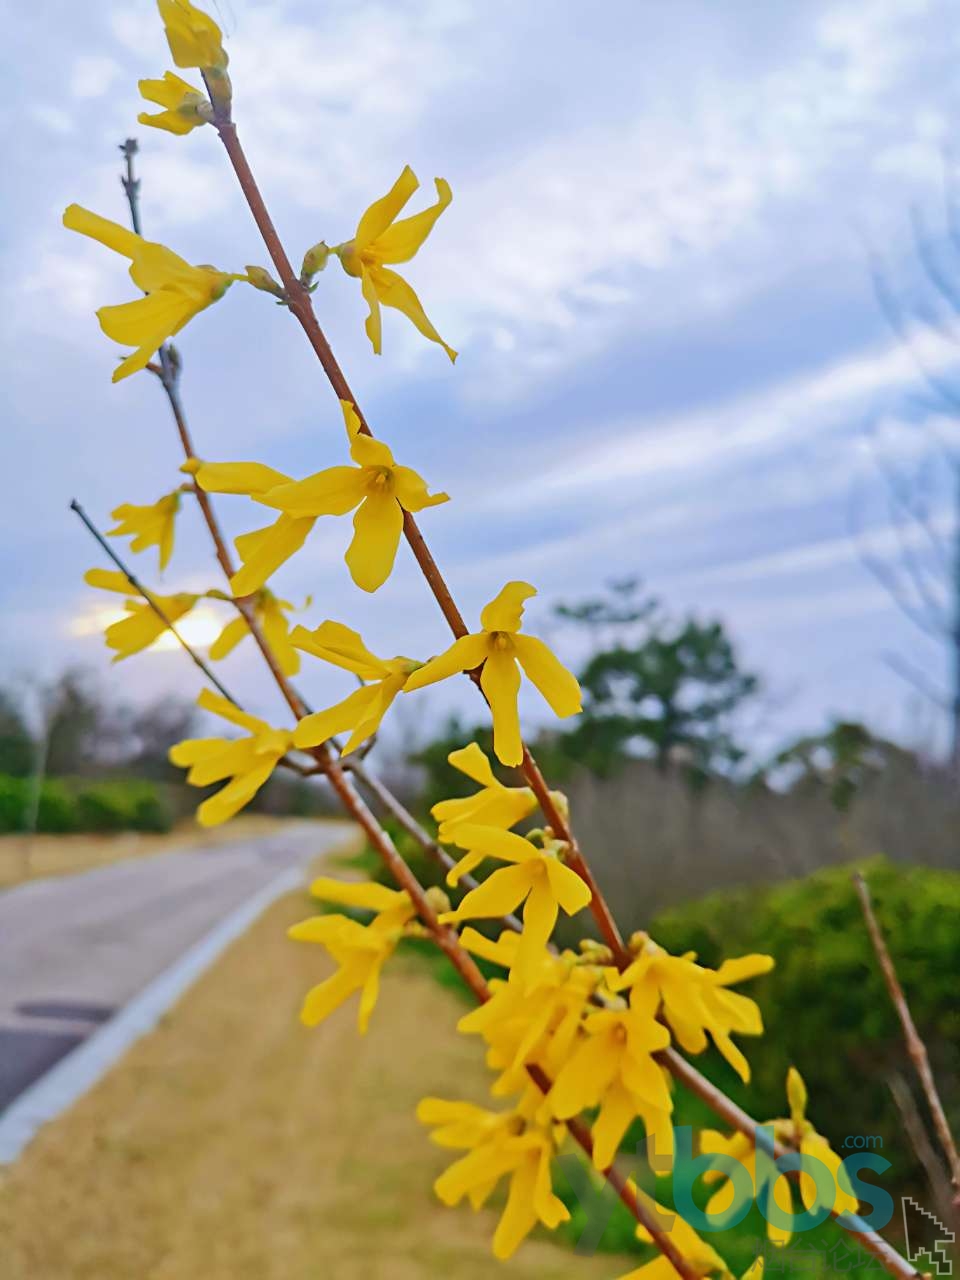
{"x": 80, "y": 1069}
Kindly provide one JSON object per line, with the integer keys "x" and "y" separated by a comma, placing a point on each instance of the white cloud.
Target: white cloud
{"x": 55, "y": 119}
{"x": 796, "y": 410}
{"x": 829, "y": 553}
{"x": 92, "y": 76}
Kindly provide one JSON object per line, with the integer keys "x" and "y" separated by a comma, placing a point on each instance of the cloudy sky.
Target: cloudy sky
{"x": 655, "y": 269}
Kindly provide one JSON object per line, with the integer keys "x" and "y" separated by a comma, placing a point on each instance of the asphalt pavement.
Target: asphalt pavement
{"x": 75, "y": 949}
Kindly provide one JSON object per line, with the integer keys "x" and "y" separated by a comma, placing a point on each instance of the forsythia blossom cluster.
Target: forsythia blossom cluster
{"x": 573, "y": 1040}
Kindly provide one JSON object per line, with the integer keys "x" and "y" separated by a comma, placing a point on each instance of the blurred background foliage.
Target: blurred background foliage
{"x": 73, "y": 760}
{"x": 693, "y": 835}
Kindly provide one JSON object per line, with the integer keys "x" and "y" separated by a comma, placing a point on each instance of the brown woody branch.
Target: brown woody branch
{"x": 916, "y": 1048}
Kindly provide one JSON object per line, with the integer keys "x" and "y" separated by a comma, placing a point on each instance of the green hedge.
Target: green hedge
{"x": 102, "y": 806}
{"x": 825, "y": 1006}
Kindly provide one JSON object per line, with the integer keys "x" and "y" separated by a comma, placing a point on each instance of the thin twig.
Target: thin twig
{"x": 432, "y": 848}
{"x": 148, "y": 597}
{"x": 916, "y": 1048}
{"x": 300, "y": 304}
{"x": 916, "y": 1131}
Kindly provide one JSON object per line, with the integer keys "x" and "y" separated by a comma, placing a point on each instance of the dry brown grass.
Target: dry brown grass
{"x": 232, "y": 1144}
{"x": 30, "y": 858}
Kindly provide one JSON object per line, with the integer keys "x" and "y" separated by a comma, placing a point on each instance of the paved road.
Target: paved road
{"x": 74, "y": 949}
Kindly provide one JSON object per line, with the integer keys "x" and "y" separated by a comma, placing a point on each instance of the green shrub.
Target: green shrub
{"x": 13, "y": 803}
{"x": 825, "y": 1006}
{"x": 105, "y": 806}
{"x": 57, "y": 811}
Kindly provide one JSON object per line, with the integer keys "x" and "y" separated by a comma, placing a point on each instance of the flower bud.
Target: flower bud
{"x": 261, "y": 279}
{"x": 314, "y": 261}
{"x": 796, "y": 1095}
{"x": 438, "y": 900}
{"x": 595, "y": 952}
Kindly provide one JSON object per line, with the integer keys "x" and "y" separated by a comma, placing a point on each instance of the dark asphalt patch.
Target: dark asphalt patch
{"x": 26, "y": 1055}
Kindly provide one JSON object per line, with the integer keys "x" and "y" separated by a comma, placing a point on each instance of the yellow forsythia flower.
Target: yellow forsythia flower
{"x": 175, "y": 290}
{"x": 148, "y": 526}
{"x": 379, "y": 240}
{"x": 142, "y": 626}
{"x": 494, "y": 805}
{"x": 613, "y": 1068}
{"x": 247, "y": 762}
{"x": 535, "y": 1022}
{"x": 535, "y": 877}
{"x": 700, "y": 1257}
{"x": 510, "y": 1144}
{"x": 362, "y": 711}
{"x": 264, "y": 550}
{"x": 499, "y": 648}
{"x": 194, "y": 38}
{"x": 695, "y": 1002}
{"x": 359, "y": 950}
{"x": 271, "y": 613}
{"x": 184, "y": 107}
{"x": 379, "y": 489}
{"x": 797, "y": 1132}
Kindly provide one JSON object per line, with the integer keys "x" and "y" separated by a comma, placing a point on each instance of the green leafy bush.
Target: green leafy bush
{"x": 825, "y": 1006}
{"x": 106, "y": 806}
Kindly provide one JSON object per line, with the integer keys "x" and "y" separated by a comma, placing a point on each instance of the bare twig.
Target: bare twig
{"x": 148, "y": 597}
{"x": 446, "y": 938}
{"x": 914, "y": 1042}
{"x": 300, "y": 304}
{"x": 919, "y": 1139}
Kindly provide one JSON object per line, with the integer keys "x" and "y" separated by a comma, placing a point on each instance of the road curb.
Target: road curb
{"x": 80, "y": 1069}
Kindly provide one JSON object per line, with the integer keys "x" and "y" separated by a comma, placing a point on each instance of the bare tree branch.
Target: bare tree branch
{"x": 915, "y": 1045}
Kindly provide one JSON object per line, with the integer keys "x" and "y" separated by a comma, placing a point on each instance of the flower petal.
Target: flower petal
{"x": 383, "y": 211}
{"x": 377, "y": 525}
{"x": 367, "y": 452}
{"x": 558, "y": 685}
{"x": 499, "y": 895}
{"x": 411, "y": 490}
{"x": 519, "y": 1215}
{"x": 386, "y": 692}
{"x": 402, "y": 240}
{"x": 110, "y": 234}
{"x": 373, "y": 323}
{"x": 572, "y": 893}
{"x": 341, "y": 646}
{"x": 539, "y": 920}
{"x": 506, "y": 845}
{"x": 332, "y": 492}
{"x": 393, "y": 291}
{"x": 366, "y": 894}
{"x": 229, "y": 638}
{"x": 250, "y": 478}
{"x": 475, "y": 763}
{"x": 463, "y": 655}
{"x": 342, "y": 716}
{"x": 227, "y": 710}
{"x": 500, "y": 682}
{"x": 617, "y": 1110}
{"x": 235, "y": 794}
{"x": 505, "y": 610}
{"x": 323, "y": 999}
{"x": 264, "y": 550}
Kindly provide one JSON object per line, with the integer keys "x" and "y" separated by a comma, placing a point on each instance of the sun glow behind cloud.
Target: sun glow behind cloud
{"x": 199, "y": 628}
